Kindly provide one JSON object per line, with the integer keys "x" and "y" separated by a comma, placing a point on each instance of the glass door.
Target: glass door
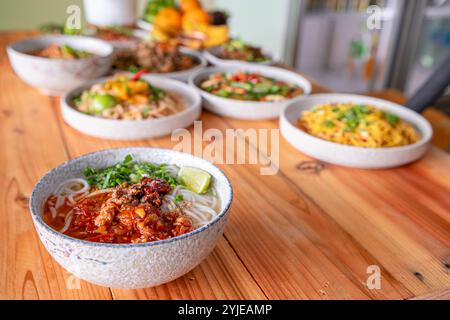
{"x": 336, "y": 48}
{"x": 434, "y": 44}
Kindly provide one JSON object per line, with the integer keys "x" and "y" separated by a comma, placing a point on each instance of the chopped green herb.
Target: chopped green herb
{"x": 128, "y": 171}
{"x": 328, "y": 124}
{"x": 391, "y": 118}
{"x": 133, "y": 69}
{"x": 352, "y": 123}
{"x": 179, "y": 198}
{"x": 360, "y": 109}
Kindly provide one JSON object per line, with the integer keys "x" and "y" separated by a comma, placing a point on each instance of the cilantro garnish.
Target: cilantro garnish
{"x": 128, "y": 171}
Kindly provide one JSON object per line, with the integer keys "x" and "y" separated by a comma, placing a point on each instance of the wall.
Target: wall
{"x": 262, "y": 22}
{"x": 27, "y": 14}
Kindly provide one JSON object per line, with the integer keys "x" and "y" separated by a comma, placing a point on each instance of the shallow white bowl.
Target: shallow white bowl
{"x": 57, "y": 76}
{"x": 211, "y": 54}
{"x": 248, "y": 110}
{"x": 184, "y": 74}
{"x": 144, "y": 25}
{"x": 119, "y": 45}
{"x": 350, "y": 156}
{"x": 134, "y": 129}
{"x": 129, "y": 265}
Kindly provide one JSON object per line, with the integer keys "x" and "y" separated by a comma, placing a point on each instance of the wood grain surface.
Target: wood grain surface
{"x": 308, "y": 232}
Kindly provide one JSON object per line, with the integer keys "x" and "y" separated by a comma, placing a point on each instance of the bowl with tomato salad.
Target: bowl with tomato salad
{"x": 249, "y": 92}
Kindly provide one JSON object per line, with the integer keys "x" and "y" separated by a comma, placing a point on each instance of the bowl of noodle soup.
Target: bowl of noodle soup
{"x": 162, "y": 107}
{"x": 159, "y": 227}
{"x": 355, "y": 131}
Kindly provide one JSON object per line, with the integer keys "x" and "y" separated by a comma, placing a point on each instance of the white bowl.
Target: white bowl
{"x": 211, "y": 54}
{"x": 350, "y": 156}
{"x": 183, "y": 75}
{"x": 134, "y": 129}
{"x": 129, "y": 265}
{"x": 110, "y": 12}
{"x": 248, "y": 110}
{"x": 57, "y": 76}
{"x": 144, "y": 25}
{"x": 119, "y": 45}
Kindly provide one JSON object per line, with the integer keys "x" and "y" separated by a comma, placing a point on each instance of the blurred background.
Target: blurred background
{"x": 328, "y": 40}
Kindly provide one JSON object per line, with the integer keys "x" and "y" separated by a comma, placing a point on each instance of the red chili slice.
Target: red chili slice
{"x": 138, "y": 74}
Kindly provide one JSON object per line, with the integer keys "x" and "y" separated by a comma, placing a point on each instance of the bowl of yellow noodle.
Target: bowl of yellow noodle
{"x": 355, "y": 131}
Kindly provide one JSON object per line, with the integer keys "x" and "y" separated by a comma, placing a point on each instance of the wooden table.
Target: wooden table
{"x": 309, "y": 232}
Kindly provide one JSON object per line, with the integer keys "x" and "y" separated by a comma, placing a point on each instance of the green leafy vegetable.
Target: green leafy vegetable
{"x": 128, "y": 171}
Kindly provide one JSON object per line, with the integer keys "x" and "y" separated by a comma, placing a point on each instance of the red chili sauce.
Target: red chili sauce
{"x": 124, "y": 214}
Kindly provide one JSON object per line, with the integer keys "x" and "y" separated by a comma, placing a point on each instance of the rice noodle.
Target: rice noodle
{"x": 67, "y": 221}
{"x": 66, "y": 191}
{"x": 96, "y": 193}
{"x": 53, "y": 212}
{"x": 201, "y": 208}
{"x": 67, "y": 186}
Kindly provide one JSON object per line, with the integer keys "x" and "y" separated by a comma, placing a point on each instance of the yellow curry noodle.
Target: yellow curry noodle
{"x": 357, "y": 125}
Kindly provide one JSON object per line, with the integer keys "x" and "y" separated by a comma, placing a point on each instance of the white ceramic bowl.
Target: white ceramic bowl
{"x": 110, "y": 12}
{"x": 134, "y": 129}
{"x": 350, "y": 156}
{"x": 144, "y": 25}
{"x": 118, "y": 45}
{"x": 248, "y": 110}
{"x": 57, "y": 76}
{"x": 130, "y": 265}
{"x": 211, "y": 54}
{"x": 183, "y": 75}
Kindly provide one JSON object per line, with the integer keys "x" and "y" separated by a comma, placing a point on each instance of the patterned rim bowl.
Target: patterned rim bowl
{"x": 130, "y": 265}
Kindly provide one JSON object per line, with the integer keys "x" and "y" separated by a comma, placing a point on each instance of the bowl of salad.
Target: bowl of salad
{"x": 54, "y": 63}
{"x": 237, "y": 51}
{"x": 249, "y": 92}
{"x": 131, "y": 108}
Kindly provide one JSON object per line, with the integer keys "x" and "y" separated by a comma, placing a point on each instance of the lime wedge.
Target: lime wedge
{"x": 194, "y": 179}
{"x": 101, "y": 102}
